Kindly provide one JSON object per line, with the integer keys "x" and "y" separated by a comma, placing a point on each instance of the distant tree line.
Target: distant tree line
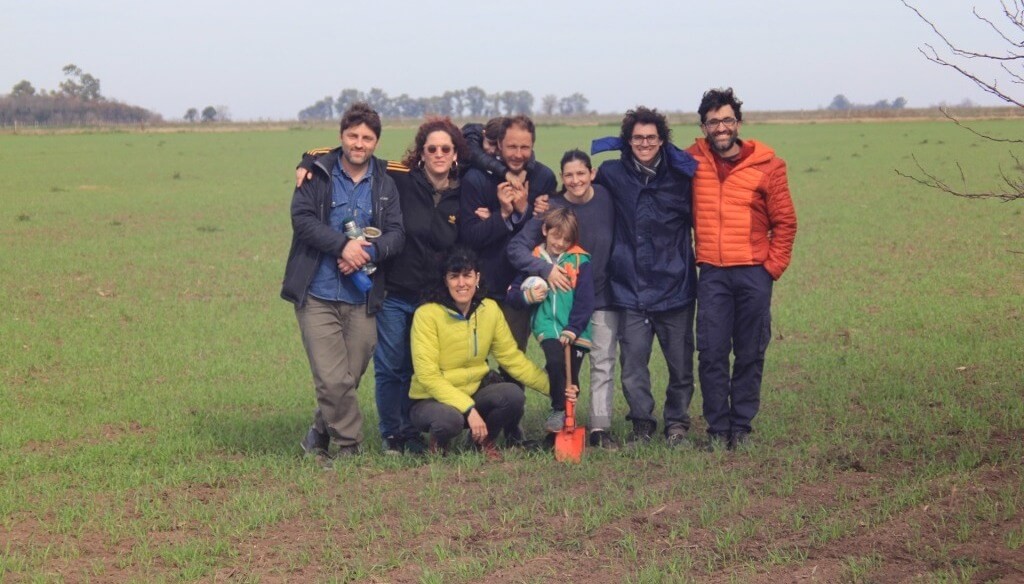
{"x": 470, "y": 102}
{"x": 208, "y": 115}
{"x": 77, "y": 101}
{"x": 840, "y": 102}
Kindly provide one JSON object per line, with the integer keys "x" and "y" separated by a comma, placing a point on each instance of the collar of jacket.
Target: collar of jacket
{"x": 453, "y": 310}
{"x": 420, "y": 176}
{"x": 679, "y": 160}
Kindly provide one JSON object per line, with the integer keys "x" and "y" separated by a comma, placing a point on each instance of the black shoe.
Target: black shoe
{"x": 348, "y": 451}
{"x": 415, "y": 445}
{"x": 642, "y": 433}
{"x": 316, "y": 445}
{"x": 393, "y": 445}
{"x": 738, "y": 440}
{"x": 717, "y": 442}
{"x": 515, "y": 437}
{"x": 604, "y": 440}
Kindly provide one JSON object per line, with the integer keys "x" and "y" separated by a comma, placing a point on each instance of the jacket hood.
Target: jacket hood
{"x": 679, "y": 160}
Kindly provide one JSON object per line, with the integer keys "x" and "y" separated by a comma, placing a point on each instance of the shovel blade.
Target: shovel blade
{"x": 569, "y": 444}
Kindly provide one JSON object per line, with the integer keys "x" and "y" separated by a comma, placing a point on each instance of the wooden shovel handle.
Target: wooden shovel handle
{"x": 570, "y": 407}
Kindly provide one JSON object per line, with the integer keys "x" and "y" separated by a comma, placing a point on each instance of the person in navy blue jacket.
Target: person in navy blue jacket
{"x": 652, "y": 270}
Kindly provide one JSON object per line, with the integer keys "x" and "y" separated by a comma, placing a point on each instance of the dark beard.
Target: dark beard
{"x": 714, "y": 145}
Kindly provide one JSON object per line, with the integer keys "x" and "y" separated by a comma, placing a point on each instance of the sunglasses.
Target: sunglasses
{"x": 432, "y": 149}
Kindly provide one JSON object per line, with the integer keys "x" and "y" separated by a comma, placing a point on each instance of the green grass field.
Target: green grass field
{"x": 153, "y": 389}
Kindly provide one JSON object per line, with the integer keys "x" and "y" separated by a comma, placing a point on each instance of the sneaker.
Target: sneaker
{"x": 393, "y": 445}
{"x": 603, "y": 439}
{"x": 415, "y": 445}
{"x": 738, "y": 440}
{"x": 717, "y": 442}
{"x": 642, "y": 433}
{"x": 555, "y": 421}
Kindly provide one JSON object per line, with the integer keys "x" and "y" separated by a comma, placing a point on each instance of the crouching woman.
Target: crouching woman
{"x": 452, "y": 335}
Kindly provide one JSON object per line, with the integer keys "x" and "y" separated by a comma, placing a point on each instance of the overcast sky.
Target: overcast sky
{"x": 267, "y": 59}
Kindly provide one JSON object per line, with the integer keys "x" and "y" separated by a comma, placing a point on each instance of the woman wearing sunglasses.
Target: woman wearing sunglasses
{"x": 428, "y": 188}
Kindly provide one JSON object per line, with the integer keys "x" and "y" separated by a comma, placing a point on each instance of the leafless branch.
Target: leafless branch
{"x": 956, "y": 121}
{"x": 986, "y": 86}
{"x": 1015, "y": 184}
{"x": 1013, "y": 180}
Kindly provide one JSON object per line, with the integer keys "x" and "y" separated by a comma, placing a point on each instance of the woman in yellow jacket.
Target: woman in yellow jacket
{"x": 452, "y": 335}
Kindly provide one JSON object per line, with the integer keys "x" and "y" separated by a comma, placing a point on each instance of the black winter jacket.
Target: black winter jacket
{"x": 312, "y": 236}
{"x": 430, "y": 232}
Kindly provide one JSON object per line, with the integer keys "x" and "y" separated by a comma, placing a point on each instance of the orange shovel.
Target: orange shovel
{"x": 569, "y": 442}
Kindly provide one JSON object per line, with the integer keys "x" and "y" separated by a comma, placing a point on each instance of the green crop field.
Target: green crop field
{"x": 153, "y": 388}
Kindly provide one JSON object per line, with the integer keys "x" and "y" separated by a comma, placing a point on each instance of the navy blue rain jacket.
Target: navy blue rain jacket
{"x": 652, "y": 266}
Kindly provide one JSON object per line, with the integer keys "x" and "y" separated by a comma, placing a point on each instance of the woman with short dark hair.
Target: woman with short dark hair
{"x": 452, "y": 336}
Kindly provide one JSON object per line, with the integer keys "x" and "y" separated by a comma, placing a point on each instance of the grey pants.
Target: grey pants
{"x": 604, "y": 331}
{"x": 499, "y": 404}
{"x": 339, "y": 339}
{"x": 674, "y": 329}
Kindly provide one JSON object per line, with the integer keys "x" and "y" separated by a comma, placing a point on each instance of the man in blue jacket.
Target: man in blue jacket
{"x": 336, "y": 317}
{"x": 652, "y": 269}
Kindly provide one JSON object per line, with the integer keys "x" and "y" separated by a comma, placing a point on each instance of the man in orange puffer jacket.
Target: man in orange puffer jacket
{"x": 744, "y": 227}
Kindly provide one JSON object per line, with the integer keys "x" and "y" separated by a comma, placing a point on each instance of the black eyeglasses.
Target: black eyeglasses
{"x": 637, "y": 139}
{"x": 729, "y": 123}
{"x": 432, "y": 149}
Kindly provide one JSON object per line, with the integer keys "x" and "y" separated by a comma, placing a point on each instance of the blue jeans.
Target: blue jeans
{"x": 392, "y": 366}
{"x": 733, "y": 316}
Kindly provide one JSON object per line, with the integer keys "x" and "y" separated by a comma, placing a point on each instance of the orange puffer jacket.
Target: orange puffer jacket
{"x": 747, "y": 220}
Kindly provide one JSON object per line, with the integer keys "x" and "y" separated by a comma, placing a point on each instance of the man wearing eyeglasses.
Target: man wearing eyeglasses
{"x": 745, "y": 225}
{"x": 652, "y": 275}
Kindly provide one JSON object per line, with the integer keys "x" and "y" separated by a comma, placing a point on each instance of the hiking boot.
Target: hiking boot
{"x": 490, "y": 451}
{"x": 603, "y": 439}
{"x": 675, "y": 436}
{"x": 315, "y": 443}
{"x": 393, "y": 445}
{"x": 348, "y": 451}
{"x": 717, "y": 442}
{"x": 555, "y": 421}
{"x": 434, "y": 446}
{"x": 516, "y": 437}
{"x": 738, "y": 440}
{"x": 415, "y": 445}
{"x": 642, "y": 433}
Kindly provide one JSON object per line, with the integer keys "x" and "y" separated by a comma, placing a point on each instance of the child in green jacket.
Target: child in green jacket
{"x": 560, "y": 317}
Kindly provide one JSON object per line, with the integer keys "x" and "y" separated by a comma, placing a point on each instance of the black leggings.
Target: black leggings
{"x": 554, "y": 355}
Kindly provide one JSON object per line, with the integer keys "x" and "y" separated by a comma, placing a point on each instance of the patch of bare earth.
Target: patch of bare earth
{"x": 910, "y": 543}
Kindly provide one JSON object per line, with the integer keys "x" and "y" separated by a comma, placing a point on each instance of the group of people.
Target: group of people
{"x": 456, "y": 253}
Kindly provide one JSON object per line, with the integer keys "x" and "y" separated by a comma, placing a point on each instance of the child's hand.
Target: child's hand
{"x": 567, "y": 337}
{"x": 483, "y": 213}
{"x": 571, "y": 393}
{"x": 536, "y": 293}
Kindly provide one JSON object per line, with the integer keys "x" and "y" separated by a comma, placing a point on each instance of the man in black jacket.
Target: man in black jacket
{"x": 336, "y": 315}
{"x": 494, "y": 209}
